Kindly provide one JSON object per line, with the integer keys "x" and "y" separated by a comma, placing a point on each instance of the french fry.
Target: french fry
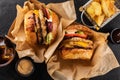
{"x": 112, "y": 7}
{"x": 94, "y": 9}
{"x": 108, "y": 7}
{"x": 97, "y": 8}
{"x": 97, "y": 0}
{"x": 99, "y": 19}
{"x": 91, "y": 11}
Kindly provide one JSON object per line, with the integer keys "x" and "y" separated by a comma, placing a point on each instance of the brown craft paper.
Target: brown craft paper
{"x": 17, "y": 35}
{"x": 102, "y": 62}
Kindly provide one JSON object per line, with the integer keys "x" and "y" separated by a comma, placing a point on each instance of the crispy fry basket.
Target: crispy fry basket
{"x": 95, "y": 25}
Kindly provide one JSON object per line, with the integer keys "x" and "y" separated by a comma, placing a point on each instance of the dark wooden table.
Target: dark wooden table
{"x": 7, "y": 15}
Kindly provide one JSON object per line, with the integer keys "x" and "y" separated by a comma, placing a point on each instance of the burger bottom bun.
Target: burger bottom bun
{"x": 76, "y": 53}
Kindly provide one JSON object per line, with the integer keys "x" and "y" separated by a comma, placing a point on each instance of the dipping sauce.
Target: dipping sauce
{"x": 115, "y": 35}
{"x": 25, "y": 67}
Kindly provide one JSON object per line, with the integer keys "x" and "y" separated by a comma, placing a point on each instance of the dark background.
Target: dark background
{"x": 7, "y": 15}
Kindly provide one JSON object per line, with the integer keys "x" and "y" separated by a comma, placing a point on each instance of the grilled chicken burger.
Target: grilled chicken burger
{"x": 40, "y": 26}
{"x": 77, "y": 43}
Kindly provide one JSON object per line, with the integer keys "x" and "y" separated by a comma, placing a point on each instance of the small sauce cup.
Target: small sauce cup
{"x": 115, "y": 36}
{"x": 25, "y": 66}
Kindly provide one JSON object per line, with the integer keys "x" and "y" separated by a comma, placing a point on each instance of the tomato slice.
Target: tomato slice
{"x": 46, "y": 12}
{"x": 76, "y": 35}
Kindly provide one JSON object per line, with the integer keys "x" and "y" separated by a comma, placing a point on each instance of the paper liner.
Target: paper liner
{"x": 102, "y": 62}
{"x": 17, "y": 35}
